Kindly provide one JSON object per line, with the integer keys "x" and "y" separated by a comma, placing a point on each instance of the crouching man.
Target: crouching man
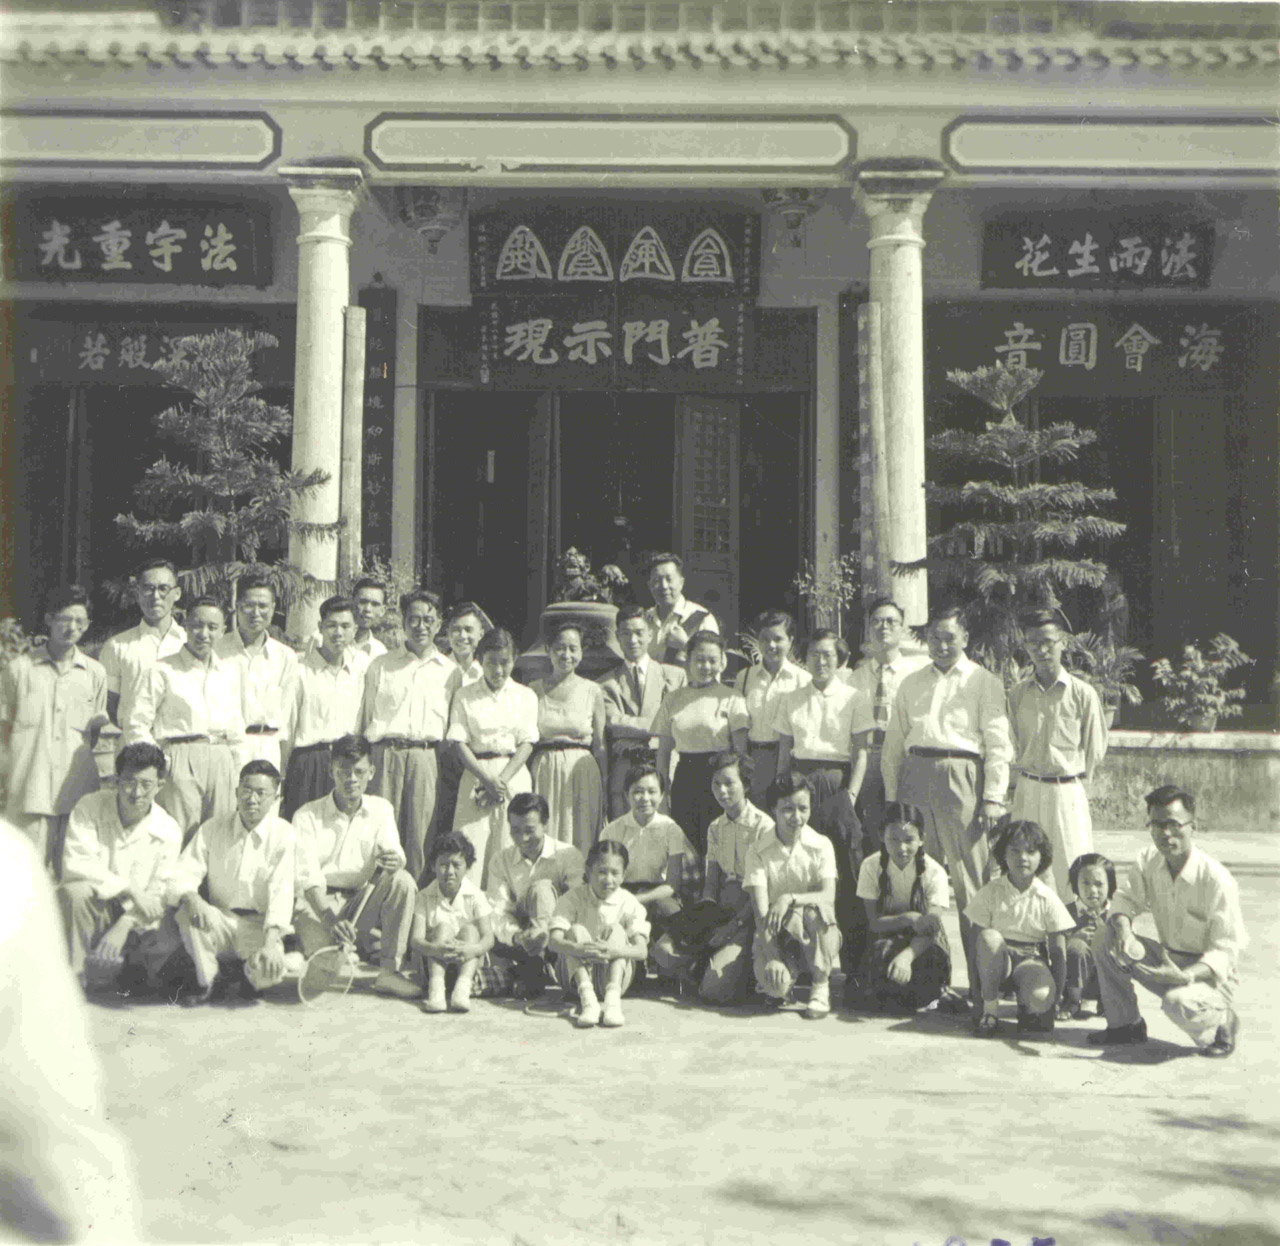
{"x": 1192, "y": 963}
{"x": 121, "y": 851}
{"x": 344, "y": 841}
{"x": 247, "y": 860}
{"x": 525, "y": 882}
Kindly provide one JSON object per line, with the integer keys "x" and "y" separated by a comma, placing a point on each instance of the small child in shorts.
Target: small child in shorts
{"x": 1020, "y": 933}
{"x": 1093, "y": 879}
{"x": 907, "y": 962}
{"x": 599, "y": 932}
{"x": 452, "y": 926}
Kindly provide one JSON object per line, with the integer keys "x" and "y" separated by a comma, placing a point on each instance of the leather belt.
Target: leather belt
{"x": 873, "y": 737}
{"x": 402, "y": 741}
{"x": 1051, "y": 778}
{"x": 762, "y": 746}
{"x": 959, "y": 754}
{"x": 559, "y": 746}
{"x": 490, "y": 756}
{"x": 246, "y": 912}
{"x": 195, "y": 739}
{"x": 260, "y": 729}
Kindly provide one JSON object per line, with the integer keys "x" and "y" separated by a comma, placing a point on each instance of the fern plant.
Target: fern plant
{"x": 1019, "y": 541}
{"x": 227, "y": 500}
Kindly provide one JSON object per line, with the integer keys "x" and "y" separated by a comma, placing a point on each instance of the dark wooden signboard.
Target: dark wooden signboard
{"x": 379, "y": 415}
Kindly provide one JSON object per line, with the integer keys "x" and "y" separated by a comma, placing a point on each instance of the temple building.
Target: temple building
{"x": 685, "y": 274}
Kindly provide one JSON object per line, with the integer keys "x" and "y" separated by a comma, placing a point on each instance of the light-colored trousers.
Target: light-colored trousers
{"x": 1062, "y": 811}
{"x": 486, "y": 828}
{"x": 48, "y": 832}
{"x": 408, "y": 778}
{"x": 201, "y": 783}
{"x": 389, "y": 910}
{"x": 809, "y": 941}
{"x": 87, "y": 918}
{"x": 567, "y": 966}
{"x": 228, "y": 935}
{"x": 1198, "y": 1008}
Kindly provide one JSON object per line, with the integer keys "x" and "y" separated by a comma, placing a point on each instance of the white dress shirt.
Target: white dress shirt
{"x": 730, "y": 839}
{"x": 763, "y": 692}
{"x": 407, "y": 696}
{"x": 127, "y": 656}
{"x": 326, "y": 698}
{"x": 680, "y": 612}
{"x": 1057, "y": 730}
{"x": 268, "y": 670}
{"x": 866, "y": 676}
{"x": 335, "y": 849}
{"x": 962, "y": 709}
{"x": 1197, "y": 912}
{"x": 181, "y": 696}
{"x": 494, "y": 722}
{"x": 113, "y": 858}
{"x": 777, "y": 870}
{"x": 511, "y": 874}
{"x": 246, "y": 869}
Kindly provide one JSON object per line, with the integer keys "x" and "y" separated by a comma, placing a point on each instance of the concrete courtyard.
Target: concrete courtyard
{"x": 363, "y": 1120}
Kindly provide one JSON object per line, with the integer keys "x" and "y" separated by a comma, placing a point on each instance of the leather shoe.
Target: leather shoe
{"x": 1224, "y": 1041}
{"x": 1120, "y": 1035}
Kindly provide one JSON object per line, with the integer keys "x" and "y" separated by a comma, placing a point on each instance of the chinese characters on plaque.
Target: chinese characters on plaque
{"x": 1098, "y": 350}
{"x": 1096, "y": 251}
{"x": 379, "y": 415}
{"x": 110, "y": 240}
{"x": 596, "y": 299}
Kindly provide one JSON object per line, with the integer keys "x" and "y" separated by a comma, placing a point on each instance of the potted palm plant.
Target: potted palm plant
{"x": 1195, "y": 692}
{"x": 1109, "y": 667}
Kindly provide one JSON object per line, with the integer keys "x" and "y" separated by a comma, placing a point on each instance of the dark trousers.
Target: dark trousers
{"x": 930, "y": 972}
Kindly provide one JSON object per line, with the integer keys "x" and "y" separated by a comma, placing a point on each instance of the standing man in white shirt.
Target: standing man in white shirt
{"x": 369, "y": 599}
{"x": 327, "y": 694}
{"x": 267, "y": 667}
{"x": 126, "y": 656}
{"x": 878, "y": 675}
{"x": 342, "y": 842}
{"x": 247, "y": 857}
{"x": 673, "y": 618}
{"x": 121, "y": 852}
{"x": 633, "y": 693}
{"x": 1059, "y": 738}
{"x": 192, "y": 705}
{"x": 947, "y": 750}
{"x": 1192, "y": 964}
{"x": 465, "y": 626}
{"x": 404, "y": 717}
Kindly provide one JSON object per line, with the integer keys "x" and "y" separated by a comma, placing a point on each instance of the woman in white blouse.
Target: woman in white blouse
{"x": 493, "y": 724}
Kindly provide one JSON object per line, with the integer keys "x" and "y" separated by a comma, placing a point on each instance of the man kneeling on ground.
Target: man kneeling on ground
{"x": 525, "y": 881}
{"x": 1192, "y": 963}
{"x": 247, "y": 860}
{"x": 344, "y": 841}
{"x": 121, "y": 851}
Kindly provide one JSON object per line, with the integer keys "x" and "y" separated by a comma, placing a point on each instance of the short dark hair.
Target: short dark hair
{"x": 337, "y": 604}
{"x": 707, "y": 637}
{"x": 608, "y": 848}
{"x": 1014, "y": 827}
{"x": 367, "y": 581}
{"x": 460, "y": 610}
{"x": 56, "y": 600}
{"x": 632, "y": 610}
{"x": 879, "y": 603}
{"x": 523, "y": 803}
{"x": 155, "y": 564}
{"x": 1083, "y": 862}
{"x": 787, "y": 785}
{"x": 1041, "y": 618}
{"x": 203, "y": 601}
{"x": 349, "y": 748}
{"x": 255, "y": 579}
{"x": 1170, "y": 794}
{"x": 558, "y": 628}
{"x": 642, "y": 770}
{"x": 656, "y": 560}
{"x": 904, "y": 813}
{"x": 455, "y": 843}
{"x": 496, "y": 640}
{"x": 826, "y": 633}
{"x": 423, "y": 595}
{"x": 259, "y": 765}
{"x": 943, "y": 613}
{"x": 775, "y": 618}
{"x": 135, "y": 757}
{"x": 746, "y": 765}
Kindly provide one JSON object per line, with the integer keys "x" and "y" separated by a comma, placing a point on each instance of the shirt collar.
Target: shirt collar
{"x": 323, "y": 663}
{"x": 259, "y": 832}
{"x": 175, "y": 629}
{"x": 336, "y": 812}
{"x": 435, "y": 657}
{"x": 1060, "y": 678}
{"x": 75, "y": 657}
{"x": 237, "y": 642}
{"x": 190, "y": 661}
{"x": 963, "y": 665}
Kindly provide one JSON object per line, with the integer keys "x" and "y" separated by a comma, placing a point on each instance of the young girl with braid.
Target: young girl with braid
{"x": 907, "y": 963}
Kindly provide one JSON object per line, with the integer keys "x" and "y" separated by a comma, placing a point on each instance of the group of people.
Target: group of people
{"x": 478, "y": 837}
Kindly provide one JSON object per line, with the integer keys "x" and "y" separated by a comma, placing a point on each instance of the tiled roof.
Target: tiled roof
{"x": 386, "y": 34}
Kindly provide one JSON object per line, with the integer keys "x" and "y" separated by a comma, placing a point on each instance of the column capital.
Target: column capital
{"x": 325, "y": 188}
{"x": 894, "y": 194}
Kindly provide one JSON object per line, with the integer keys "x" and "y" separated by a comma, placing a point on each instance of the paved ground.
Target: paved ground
{"x": 367, "y": 1121}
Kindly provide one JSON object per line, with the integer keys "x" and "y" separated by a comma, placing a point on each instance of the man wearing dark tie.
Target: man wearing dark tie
{"x": 633, "y": 691}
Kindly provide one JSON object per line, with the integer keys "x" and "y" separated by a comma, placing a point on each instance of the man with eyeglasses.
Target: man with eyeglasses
{"x": 404, "y": 716}
{"x": 127, "y": 656}
{"x": 1192, "y": 964}
{"x": 121, "y": 851}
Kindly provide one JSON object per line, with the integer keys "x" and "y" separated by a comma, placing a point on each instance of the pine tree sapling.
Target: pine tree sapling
{"x": 1195, "y": 696}
{"x": 1019, "y": 541}
{"x": 227, "y": 500}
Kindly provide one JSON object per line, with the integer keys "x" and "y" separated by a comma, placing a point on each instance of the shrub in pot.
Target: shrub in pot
{"x": 1195, "y": 692}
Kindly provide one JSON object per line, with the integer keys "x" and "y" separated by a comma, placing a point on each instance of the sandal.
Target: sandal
{"x": 987, "y": 1025}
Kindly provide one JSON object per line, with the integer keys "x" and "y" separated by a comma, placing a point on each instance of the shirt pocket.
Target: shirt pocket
{"x": 1193, "y": 930}
{"x": 387, "y": 703}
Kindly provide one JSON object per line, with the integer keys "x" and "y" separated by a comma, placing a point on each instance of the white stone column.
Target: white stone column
{"x": 325, "y": 199}
{"x": 826, "y": 448}
{"x": 894, "y": 196}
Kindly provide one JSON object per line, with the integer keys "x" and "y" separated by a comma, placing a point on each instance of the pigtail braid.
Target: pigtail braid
{"x": 882, "y": 896}
{"x": 918, "y": 901}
